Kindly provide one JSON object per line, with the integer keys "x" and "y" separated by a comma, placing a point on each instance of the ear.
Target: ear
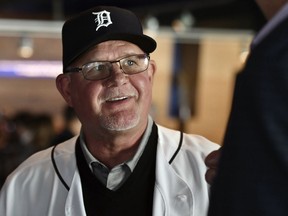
{"x": 63, "y": 84}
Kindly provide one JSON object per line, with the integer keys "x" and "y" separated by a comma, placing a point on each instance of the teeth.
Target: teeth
{"x": 117, "y": 99}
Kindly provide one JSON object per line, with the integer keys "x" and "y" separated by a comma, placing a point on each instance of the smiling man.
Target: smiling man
{"x": 123, "y": 163}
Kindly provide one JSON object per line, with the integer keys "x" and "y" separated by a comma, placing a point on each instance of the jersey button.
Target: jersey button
{"x": 182, "y": 197}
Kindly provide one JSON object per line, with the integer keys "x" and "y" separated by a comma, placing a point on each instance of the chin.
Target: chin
{"x": 121, "y": 124}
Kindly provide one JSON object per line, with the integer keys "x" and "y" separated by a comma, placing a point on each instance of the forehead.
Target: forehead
{"x": 115, "y": 44}
{"x": 108, "y": 50}
{"x": 111, "y": 49}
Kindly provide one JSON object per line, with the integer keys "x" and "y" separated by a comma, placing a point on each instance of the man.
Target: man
{"x": 253, "y": 169}
{"x": 123, "y": 163}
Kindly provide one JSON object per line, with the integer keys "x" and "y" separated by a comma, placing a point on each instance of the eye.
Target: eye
{"x": 96, "y": 70}
{"x": 96, "y": 67}
{"x": 99, "y": 67}
{"x": 130, "y": 62}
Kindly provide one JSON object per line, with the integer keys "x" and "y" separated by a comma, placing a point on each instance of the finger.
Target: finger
{"x": 212, "y": 159}
{"x": 210, "y": 175}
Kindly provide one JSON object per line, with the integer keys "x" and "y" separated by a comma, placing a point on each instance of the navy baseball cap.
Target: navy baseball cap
{"x": 98, "y": 25}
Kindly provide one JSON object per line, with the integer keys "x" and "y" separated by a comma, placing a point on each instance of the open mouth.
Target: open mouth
{"x": 116, "y": 99}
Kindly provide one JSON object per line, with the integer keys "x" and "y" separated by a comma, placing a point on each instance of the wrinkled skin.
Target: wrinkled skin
{"x": 113, "y": 111}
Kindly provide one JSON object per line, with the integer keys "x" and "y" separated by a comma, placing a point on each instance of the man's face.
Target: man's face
{"x": 117, "y": 103}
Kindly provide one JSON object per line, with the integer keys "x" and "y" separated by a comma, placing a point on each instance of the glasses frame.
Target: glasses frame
{"x": 119, "y": 61}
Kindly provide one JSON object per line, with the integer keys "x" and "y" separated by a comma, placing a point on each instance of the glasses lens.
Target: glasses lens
{"x": 130, "y": 65}
{"x": 134, "y": 64}
{"x": 96, "y": 70}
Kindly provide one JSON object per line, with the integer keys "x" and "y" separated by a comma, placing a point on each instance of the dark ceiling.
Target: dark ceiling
{"x": 231, "y": 14}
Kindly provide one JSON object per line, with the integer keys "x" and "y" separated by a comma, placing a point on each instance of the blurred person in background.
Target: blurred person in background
{"x": 3, "y": 130}
{"x": 123, "y": 163}
{"x": 17, "y": 146}
{"x": 4, "y": 135}
{"x": 71, "y": 126}
{"x": 22, "y": 135}
{"x": 253, "y": 168}
{"x": 43, "y": 131}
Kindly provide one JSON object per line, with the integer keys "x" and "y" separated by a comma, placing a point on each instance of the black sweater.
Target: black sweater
{"x": 134, "y": 197}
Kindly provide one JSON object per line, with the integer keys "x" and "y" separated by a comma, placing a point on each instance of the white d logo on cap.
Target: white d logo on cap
{"x": 102, "y": 19}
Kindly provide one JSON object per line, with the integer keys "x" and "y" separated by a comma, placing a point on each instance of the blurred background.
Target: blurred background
{"x": 202, "y": 45}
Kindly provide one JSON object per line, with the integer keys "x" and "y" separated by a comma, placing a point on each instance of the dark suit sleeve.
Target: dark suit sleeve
{"x": 252, "y": 178}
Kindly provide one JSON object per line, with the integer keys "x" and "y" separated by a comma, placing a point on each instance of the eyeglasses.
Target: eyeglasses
{"x": 98, "y": 70}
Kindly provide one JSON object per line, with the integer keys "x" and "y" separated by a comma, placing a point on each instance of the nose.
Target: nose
{"x": 117, "y": 75}
{"x": 117, "y": 63}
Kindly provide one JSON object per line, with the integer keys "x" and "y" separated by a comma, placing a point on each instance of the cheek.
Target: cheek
{"x": 143, "y": 85}
{"x": 85, "y": 96}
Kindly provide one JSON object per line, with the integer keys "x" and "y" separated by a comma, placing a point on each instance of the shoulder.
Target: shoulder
{"x": 186, "y": 158}
{"x": 35, "y": 180}
{"x": 42, "y": 157}
{"x": 40, "y": 164}
{"x": 190, "y": 142}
